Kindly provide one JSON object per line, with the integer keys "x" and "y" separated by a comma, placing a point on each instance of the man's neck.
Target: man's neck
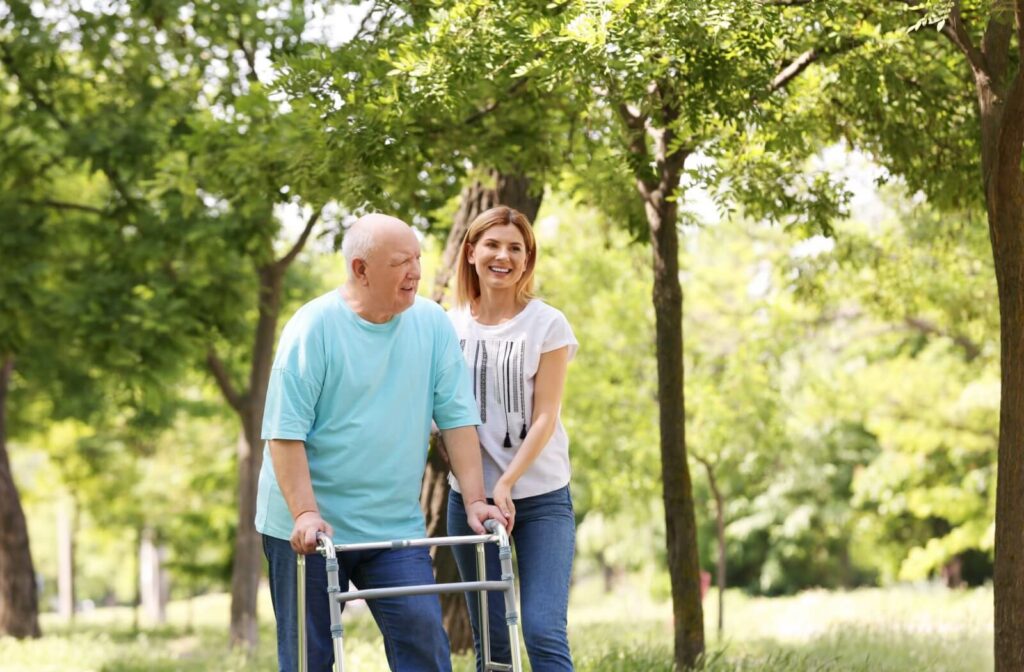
{"x": 359, "y": 304}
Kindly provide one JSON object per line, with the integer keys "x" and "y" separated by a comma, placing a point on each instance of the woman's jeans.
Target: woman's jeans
{"x": 414, "y": 639}
{"x": 544, "y": 538}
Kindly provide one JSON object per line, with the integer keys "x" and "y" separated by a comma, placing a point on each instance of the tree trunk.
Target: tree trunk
{"x": 137, "y": 599}
{"x": 434, "y": 500}
{"x": 153, "y": 584}
{"x": 248, "y": 558}
{"x": 513, "y": 191}
{"x": 1006, "y": 223}
{"x": 677, "y": 487}
{"x": 19, "y": 604}
{"x": 1001, "y": 110}
{"x": 720, "y": 537}
{"x": 66, "y": 558}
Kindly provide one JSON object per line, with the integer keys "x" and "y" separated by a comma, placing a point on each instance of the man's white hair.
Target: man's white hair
{"x": 358, "y": 242}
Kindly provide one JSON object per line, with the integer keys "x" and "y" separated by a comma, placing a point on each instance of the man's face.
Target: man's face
{"x": 393, "y": 272}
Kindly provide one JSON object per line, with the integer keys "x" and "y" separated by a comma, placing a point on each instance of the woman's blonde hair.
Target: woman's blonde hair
{"x": 467, "y": 282}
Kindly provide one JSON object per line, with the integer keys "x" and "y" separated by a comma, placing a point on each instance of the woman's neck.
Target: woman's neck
{"x": 494, "y": 307}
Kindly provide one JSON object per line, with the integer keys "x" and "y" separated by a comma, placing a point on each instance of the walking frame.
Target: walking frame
{"x": 506, "y": 585}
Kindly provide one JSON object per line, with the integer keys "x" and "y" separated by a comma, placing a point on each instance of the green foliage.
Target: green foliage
{"x": 905, "y": 71}
{"x": 588, "y": 269}
{"x": 915, "y": 329}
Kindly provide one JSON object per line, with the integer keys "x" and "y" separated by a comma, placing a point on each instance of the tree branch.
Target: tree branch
{"x": 287, "y": 259}
{"x": 1010, "y": 147}
{"x": 956, "y": 30}
{"x": 793, "y": 70}
{"x": 47, "y": 106}
{"x": 1018, "y": 16}
{"x": 971, "y": 349}
{"x": 220, "y": 373}
{"x": 61, "y": 205}
{"x": 364, "y": 31}
{"x": 480, "y": 114}
{"x": 248, "y": 54}
{"x": 636, "y": 130}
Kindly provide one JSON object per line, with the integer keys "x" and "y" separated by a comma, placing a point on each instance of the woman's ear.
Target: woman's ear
{"x": 470, "y": 255}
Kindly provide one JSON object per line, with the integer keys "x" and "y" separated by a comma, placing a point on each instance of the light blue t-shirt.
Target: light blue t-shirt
{"x": 362, "y": 395}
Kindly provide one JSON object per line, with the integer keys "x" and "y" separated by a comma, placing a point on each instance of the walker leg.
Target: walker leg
{"x": 337, "y": 631}
{"x": 485, "y": 629}
{"x": 511, "y": 614}
{"x": 300, "y": 600}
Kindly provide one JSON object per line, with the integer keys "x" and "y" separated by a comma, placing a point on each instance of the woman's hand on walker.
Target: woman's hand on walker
{"x": 503, "y": 500}
{"x": 303, "y": 539}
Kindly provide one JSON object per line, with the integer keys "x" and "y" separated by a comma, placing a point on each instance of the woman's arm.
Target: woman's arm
{"x": 548, "y": 385}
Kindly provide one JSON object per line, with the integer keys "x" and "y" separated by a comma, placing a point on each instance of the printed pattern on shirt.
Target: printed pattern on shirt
{"x": 498, "y": 365}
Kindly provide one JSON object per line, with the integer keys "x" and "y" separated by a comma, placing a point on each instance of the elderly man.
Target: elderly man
{"x": 359, "y": 374}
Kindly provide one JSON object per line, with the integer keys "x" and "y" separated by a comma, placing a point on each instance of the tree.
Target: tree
{"x": 966, "y": 75}
{"x": 476, "y": 198}
{"x": 195, "y": 160}
{"x": 660, "y": 82}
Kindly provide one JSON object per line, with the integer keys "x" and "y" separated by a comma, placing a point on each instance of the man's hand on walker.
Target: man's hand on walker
{"x": 303, "y": 539}
{"x": 479, "y": 511}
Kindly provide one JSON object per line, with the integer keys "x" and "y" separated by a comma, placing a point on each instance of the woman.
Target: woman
{"x": 518, "y": 349}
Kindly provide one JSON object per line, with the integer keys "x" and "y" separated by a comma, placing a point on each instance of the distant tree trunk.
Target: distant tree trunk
{"x": 66, "y": 558}
{"x": 720, "y": 537}
{"x": 659, "y": 167}
{"x": 137, "y": 598}
{"x": 513, "y": 191}
{"x": 1000, "y": 95}
{"x": 609, "y": 572}
{"x": 248, "y": 404}
{"x": 153, "y": 581}
{"x": 248, "y": 558}
{"x": 19, "y": 604}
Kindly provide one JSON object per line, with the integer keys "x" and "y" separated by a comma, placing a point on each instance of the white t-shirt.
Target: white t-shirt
{"x": 503, "y": 360}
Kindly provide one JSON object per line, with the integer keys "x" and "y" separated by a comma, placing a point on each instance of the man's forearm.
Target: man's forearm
{"x": 464, "y": 454}
{"x": 292, "y": 470}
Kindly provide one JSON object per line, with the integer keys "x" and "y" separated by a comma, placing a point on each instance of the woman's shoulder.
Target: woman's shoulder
{"x": 541, "y": 310}
{"x": 459, "y": 316}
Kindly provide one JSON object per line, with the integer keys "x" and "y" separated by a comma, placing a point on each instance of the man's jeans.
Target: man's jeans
{"x": 545, "y": 538}
{"x": 414, "y": 640}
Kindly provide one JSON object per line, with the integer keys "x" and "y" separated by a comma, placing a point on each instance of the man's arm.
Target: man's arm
{"x": 464, "y": 454}
{"x": 292, "y": 470}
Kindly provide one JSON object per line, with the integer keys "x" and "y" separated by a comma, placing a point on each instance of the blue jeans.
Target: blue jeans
{"x": 544, "y": 538}
{"x": 414, "y": 639}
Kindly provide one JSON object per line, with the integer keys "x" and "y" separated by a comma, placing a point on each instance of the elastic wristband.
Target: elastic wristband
{"x": 302, "y": 513}
{"x": 477, "y": 500}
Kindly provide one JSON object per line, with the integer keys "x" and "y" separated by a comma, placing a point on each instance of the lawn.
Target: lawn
{"x": 898, "y": 629}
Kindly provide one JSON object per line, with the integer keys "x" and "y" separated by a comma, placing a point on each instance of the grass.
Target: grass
{"x": 900, "y": 629}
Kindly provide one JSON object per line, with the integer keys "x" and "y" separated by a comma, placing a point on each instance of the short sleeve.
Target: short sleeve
{"x": 454, "y": 405}
{"x": 295, "y": 381}
{"x": 559, "y": 335}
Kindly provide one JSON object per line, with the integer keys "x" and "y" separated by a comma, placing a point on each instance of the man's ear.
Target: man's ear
{"x": 358, "y": 268}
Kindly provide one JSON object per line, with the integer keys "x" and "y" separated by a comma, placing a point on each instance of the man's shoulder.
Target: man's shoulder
{"x": 311, "y": 316}
{"x": 428, "y": 317}
{"x": 317, "y": 309}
